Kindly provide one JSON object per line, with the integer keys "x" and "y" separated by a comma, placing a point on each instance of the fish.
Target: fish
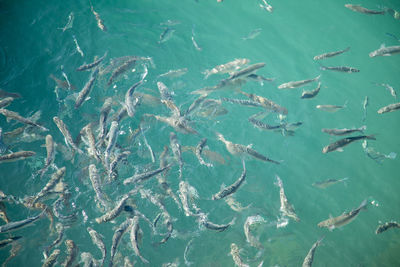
{"x": 52, "y": 259}
{"x": 70, "y": 22}
{"x": 385, "y": 51}
{"x": 343, "y": 219}
{"x": 365, "y": 104}
{"x": 115, "y": 212}
{"x": 195, "y": 105}
{"x": 295, "y": 84}
{"x": 390, "y": 88}
{"x": 236, "y": 256}
{"x": 112, "y": 140}
{"x": 51, "y": 152}
{"x": 20, "y": 155}
{"x": 95, "y": 180}
{"x": 328, "y": 182}
{"x": 62, "y": 84}
{"x": 338, "y": 145}
{"x": 330, "y": 108}
{"x": 78, "y": 48}
{"x": 246, "y": 71}
{"x": 186, "y": 191}
{"x": 174, "y": 73}
{"x": 72, "y": 253}
{"x": 104, "y": 112}
{"x": 5, "y": 102}
{"x": 243, "y": 102}
{"x": 195, "y": 43}
{"x": 56, "y": 242}
{"x": 166, "y": 35}
{"x": 8, "y": 241}
{"x": 341, "y": 69}
{"x": 266, "y": 6}
{"x": 259, "y": 78}
{"x": 233, "y": 187}
{"x": 66, "y": 133}
{"x": 253, "y": 34}
{"x": 199, "y": 149}
{"x": 383, "y": 227}
{"x": 227, "y": 67}
{"x": 91, "y": 142}
{"x": 331, "y": 54}
{"x": 251, "y": 220}
{"x": 186, "y": 252}
{"x": 135, "y": 235}
{"x": 129, "y": 63}
{"x": 286, "y": 208}
{"x": 266, "y": 103}
{"x": 203, "y": 220}
{"x": 234, "y": 205}
{"x": 129, "y": 103}
{"x": 4, "y": 93}
{"x": 344, "y": 131}
{"x": 12, "y": 226}
{"x": 93, "y": 64}
{"x": 389, "y": 108}
{"x": 15, "y": 116}
{"x": 51, "y": 184}
{"x": 141, "y": 177}
{"x": 375, "y": 155}
{"x": 176, "y": 150}
{"x": 97, "y": 239}
{"x": 100, "y": 22}
{"x": 164, "y": 91}
{"x": 284, "y": 127}
{"x": 180, "y": 124}
{"x": 83, "y": 94}
{"x": 113, "y": 172}
{"x": 360, "y": 9}
{"x": 119, "y": 232}
{"x": 308, "y": 260}
{"x": 312, "y": 93}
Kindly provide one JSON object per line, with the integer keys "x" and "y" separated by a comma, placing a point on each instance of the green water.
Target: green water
{"x": 32, "y": 47}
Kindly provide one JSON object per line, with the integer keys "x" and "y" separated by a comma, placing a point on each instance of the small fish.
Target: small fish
{"x": 52, "y": 259}
{"x": 176, "y": 150}
{"x": 51, "y": 152}
{"x": 91, "y": 142}
{"x": 344, "y": 131}
{"x": 141, "y": 177}
{"x": 266, "y": 6}
{"x": 113, "y": 172}
{"x": 187, "y": 192}
{"x": 329, "y": 182}
{"x": 385, "y": 51}
{"x": 341, "y": 69}
{"x": 5, "y": 102}
{"x": 100, "y": 22}
{"x": 135, "y": 234}
{"x": 199, "y": 149}
{"x": 266, "y": 103}
{"x": 16, "y": 156}
{"x": 115, "y": 212}
{"x": 308, "y": 260}
{"x": 330, "y": 108}
{"x": 243, "y": 102}
{"x": 338, "y": 145}
{"x": 251, "y": 220}
{"x": 226, "y": 68}
{"x": 83, "y": 94}
{"x": 234, "y": 205}
{"x": 195, "y": 43}
{"x": 331, "y": 54}
{"x": 259, "y": 78}
{"x": 129, "y": 63}
{"x": 69, "y": 23}
{"x": 11, "y": 226}
{"x": 112, "y": 140}
{"x": 253, "y": 34}
{"x": 166, "y": 35}
{"x": 375, "y": 155}
{"x": 390, "y": 88}
{"x": 180, "y": 124}
{"x": 365, "y": 104}
{"x": 360, "y": 9}
{"x": 72, "y": 252}
{"x": 104, "y": 112}
{"x": 246, "y": 71}
{"x": 66, "y": 133}
{"x": 56, "y": 242}
{"x": 212, "y": 226}
{"x": 4, "y": 93}
{"x": 78, "y": 48}
{"x": 93, "y": 64}
{"x": 51, "y": 184}
{"x": 119, "y": 232}
{"x": 129, "y": 102}
{"x": 312, "y": 93}
{"x": 174, "y": 73}
{"x": 389, "y": 108}
{"x": 8, "y": 241}
{"x": 62, "y": 84}
{"x": 95, "y": 180}
{"x": 97, "y": 239}
{"x": 236, "y": 256}
{"x": 343, "y": 219}
{"x": 295, "y": 84}
{"x": 233, "y": 187}
{"x": 186, "y": 252}
{"x": 383, "y": 227}
{"x": 286, "y": 208}
{"x": 15, "y": 116}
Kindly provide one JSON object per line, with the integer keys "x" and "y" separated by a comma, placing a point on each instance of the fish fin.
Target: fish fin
{"x": 382, "y": 46}
{"x": 391, "y": 155}
{"x": 371, "y": 137}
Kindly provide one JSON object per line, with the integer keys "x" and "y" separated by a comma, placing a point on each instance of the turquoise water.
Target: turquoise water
{"x": 32, "y": 47}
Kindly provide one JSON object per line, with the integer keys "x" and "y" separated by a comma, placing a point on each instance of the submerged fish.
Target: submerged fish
{"x": 385, "y": 51}
{"x": 330, "y": 108}
{"x": 383, "y": 227}
{"x": 344, "y": 131}
{"x": 97, "y": 239}
{"x": 11, "y": 226}
{"x": 286, "y": 208}
{"x": 69, "y": 23}
{"x": 93, "y": 64}
{"x": 16, "y": 156}
{"x": 312, "y": 93}
{"x": 331, "y": 54}
{"x": 329, "y": 182}
{"x": 253, "y": 34}
{"x": 15, "y": 116}
{"x": 166, "y": 35}
{"x": 226, "y": 68}
{"x": 83, "y": 94}
{"x": 308, "y": 260}
{"x": 295, "y": 84}
{"x": 174, "y": 73}
{"x": 135, "y": 235}
{"x": 343, "y": 219}
{"x": 236, "y": 256}
{"x": 360, "y": 9}
{"x": 266, "y": 6}
{"x": 341, "y": 69}
{"x": 251, "y": 220}
{"x": 389, "y": 108}
{"x": 100, "y": 22}
{"x": 338, "y": 145}
{"x": 266, "y": 103}
{"x": 233, "y": 187}
{"x": 5, "y": 102}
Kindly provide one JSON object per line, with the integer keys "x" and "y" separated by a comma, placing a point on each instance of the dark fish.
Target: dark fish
{"x": 331, "y": 54}
{"x": 383, "y": 227}
{"x": 117, "y": 238}
{"x": 4, "y": 93}
{"x": 338, "y": 145}
{"x": 341, "y": 69}
{"x": 199, "y": 149}
{"x": 246, "y": 71}
{"x": 138, "y": 178}
{"x": 312, "y": 93}
{"x": 86, "y": 89}
{"x": 8, "y": 241}
{"x": 243, "y": 102}
{"x": 233, "y": 187}
{"x": 135, "y": 234}
{"x": 15, "y": 116}
{"x": 72, "y": 253}
{"x": 130, "y": 62}
{"x": 16, "y": 156}
{"x": 93, "y": 64}
{"x": 19, "y": 224}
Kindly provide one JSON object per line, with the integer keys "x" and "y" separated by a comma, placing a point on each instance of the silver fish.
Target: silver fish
{"x": 338, "y": 145}
{"x": 176, "y": 150}
{"x": 6, "y": 102}
{"x": 344, "y": 131}
{"x": 286, "y": 208}
{"x": 233, "y": 187}
{"x": 174, "y": 73}
{"x": 138, "y": 178}
{"x": 383, "y": 227}
{"x": 86, "y": 89}
{"x": 243, "y": 102}
{"x": 112, "y": 172}
{"x": 112, "y": 214}
{"x": 308, "y": 260}
{"x": 180, "y": 123}
{"x": 66, "y": 133}
{"x": 117, "y": 238}
{"x": 329, "y": 182}
{"x": 295, "y": 84}
{"x": 112, "y": 140}
{"x": 226, "y": 68}
{"x": 389, "y": 108}
{"x": 212, "y": 226}
{"x": 56, "y": 242}
{"x": 343, "y": 219}
{"x": 236, "y": 256}
{"x": 164, "y": 91}
{"x": 16, "y": 156}
{"x": 360, "y": 9}
{"x": 91, "y": 142}
{"x": 51, "y": 184}
{"x": 331, "y": 54}
{"x": 312, "y": 93}
{"x": 129, "y": 103}
{"x": 69, "y": 23}
{"x": 341, "y": 69}
{"x": 104, "y": 112}
{"x": 95, "y": 180}
{"x": 51, "y": 260}
{"x": 15, "y": 116}
{"x": 72, "y": 252}
{"x": 51, "y": 152}
{"x": 391, "y": 89}
{"x": 135, "y": 234}
{"x": 266, "y": 6}
{"x": 166, "y": 35}
{"x": 253, "y": 34}
{"x": 8, "y": 241}
{"x": 246, "y": 71}
{"x": 129, "y": 63}
{"x": 252, "y": 240}
{"x": 97, "y": 239}
{"x": 385, "y": 51}
{"x": 187, "y": 192}
{"x": 93, "y": 64}
{"x": 330, "y": 108}
{"x": 199, "y": 149}
{"x": 11, "y": 226}
{"x": 365, "y": 104}
{"x": 99, "y": 21}
{"x": 78, "y": 48}
{"x": 266, "y": 103}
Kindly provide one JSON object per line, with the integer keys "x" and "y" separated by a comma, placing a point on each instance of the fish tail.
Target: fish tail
{"x": 363, "y": 204}
{"x": 371, "y": 137}
{"x": 347, "y": 49}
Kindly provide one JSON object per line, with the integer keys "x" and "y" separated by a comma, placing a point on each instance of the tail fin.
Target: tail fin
{"x": 371, "y": 137}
